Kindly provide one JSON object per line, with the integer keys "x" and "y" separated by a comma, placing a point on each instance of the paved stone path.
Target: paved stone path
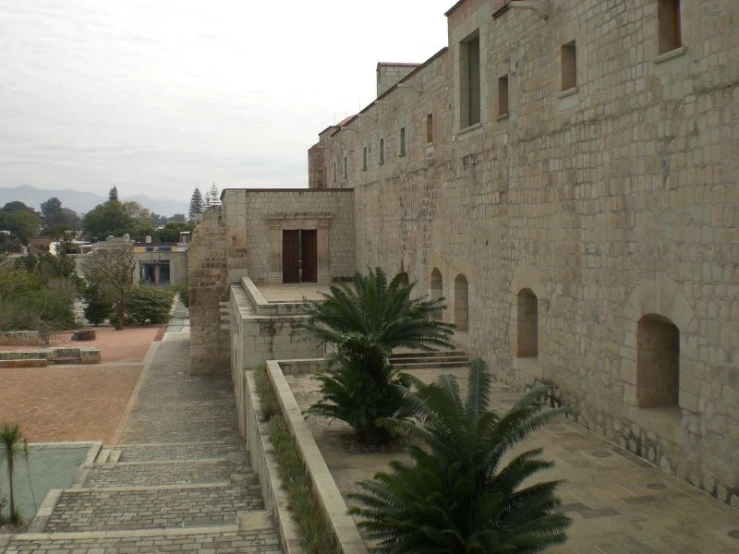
{"x": 620, "y": 504}
{"x": 178, "y": 479}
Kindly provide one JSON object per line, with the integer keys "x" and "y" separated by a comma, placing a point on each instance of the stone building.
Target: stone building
{"x": 565, "y": 174}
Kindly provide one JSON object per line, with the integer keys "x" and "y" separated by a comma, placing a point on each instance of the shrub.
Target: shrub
{"x": 364, "y": 321}
{"x": 149, "y": 303}
{"x": 463, "y": 490}
{"x": 98, "y": 307}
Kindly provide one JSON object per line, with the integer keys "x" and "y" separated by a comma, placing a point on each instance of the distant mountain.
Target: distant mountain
{"x": 82, "y": 202}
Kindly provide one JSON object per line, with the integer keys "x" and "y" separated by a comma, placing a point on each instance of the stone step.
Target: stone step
{"x": 215, "y": 540}
{"x": 103, "y": 456}
{"x": 179, "y": 451}
{"x": 137, "y": 508}
{"x": 142, "y": 474}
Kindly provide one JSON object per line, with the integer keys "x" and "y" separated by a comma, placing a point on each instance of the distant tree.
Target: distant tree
{"x": 172, "y": 230}
{"x": 57, "y": 218}
{"x": 113, "y": 268}
{"x": 178, "y": 218}
{"x": 22, "y": 221}
{"x": 196, "y": 203}
{"x": 113, "y": 193}
{"x": 158, "y": 220}
{"x": 110, "y": 218}
{"x": 215, "y": 198}
{"x": 138, "y": 214}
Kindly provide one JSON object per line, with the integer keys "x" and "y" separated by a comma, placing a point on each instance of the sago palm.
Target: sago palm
{"x": 457, "y": 494}
{"x": 362, "y": 322}
{"x": 13, "y": 449}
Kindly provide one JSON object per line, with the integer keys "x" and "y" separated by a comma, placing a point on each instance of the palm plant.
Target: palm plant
{"x": 13, "y": 449}
{"x": 457, "y": 494}
{"x": 362, "y": 322}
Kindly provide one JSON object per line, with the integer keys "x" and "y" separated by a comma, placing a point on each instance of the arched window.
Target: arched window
{"x": 527, "y": 315}
{"x": 657, "y": 362}
{"x": 461, "y": 311}
{"x": 437, "y": 287}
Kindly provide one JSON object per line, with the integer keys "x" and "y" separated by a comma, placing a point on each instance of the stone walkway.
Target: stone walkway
{"x": 178, "y": 479}
{"x": 619, "y": 504}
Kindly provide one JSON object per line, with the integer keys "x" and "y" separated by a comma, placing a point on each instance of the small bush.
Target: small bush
{"x": 183, "y": 291}
{"x": 98, "y": 308}
{"x": 149, "y": 304}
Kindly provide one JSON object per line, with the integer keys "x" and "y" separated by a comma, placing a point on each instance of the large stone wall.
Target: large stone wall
{"x": 609, "y": 202}
{"x": 209, "y": 290}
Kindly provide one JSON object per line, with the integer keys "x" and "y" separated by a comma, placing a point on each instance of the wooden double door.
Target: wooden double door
{"x": 299, "y": 256}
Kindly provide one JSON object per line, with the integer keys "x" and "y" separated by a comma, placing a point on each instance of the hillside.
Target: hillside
{"x": 82, "y": 202}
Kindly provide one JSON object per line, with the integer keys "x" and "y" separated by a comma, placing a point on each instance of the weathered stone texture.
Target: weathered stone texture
{"x": 612, "y": 202}
{"x": 208, "y": 286}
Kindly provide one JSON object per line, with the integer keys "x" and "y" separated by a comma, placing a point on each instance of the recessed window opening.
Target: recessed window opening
{"x": 503, "y": 95}
{"x": 657, "y": 362}
{"x": 364, "y": 159}
{"x": 429, "y": 128}
{"x": 569, "y": 66}
{"x": 402, "y": 141}
{"x": 346, "y": 167}
{"x": 436, "y": 286}
{"x": 334, "y": 172}
{"x": 382, "y": 151}
{"x": 528, "y": 324}
{"x": 670, "y": 32}
{"x": 461, "y": 303}
{"x": 470, "y": 81}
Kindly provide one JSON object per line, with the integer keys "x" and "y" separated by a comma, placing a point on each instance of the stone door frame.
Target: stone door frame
{"x": 276, "y": 223}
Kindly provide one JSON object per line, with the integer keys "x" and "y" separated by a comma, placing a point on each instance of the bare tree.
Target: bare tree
{"x": 113, "y": 266}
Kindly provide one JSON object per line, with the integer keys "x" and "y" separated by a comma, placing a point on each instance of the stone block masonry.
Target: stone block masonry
{"x": 573, "y": 215}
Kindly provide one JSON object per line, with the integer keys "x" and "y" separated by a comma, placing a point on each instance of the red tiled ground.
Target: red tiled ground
{"x": 67, "y": 403}
{"x": 129, "y": 345}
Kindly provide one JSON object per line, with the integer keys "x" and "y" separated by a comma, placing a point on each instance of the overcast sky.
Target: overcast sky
{"x": 159, "y": 96}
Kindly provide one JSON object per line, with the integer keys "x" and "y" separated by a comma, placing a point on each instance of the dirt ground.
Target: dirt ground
{"x": 127, "y": 346}
{"x": 77, "y": 403}
{"x": 67, "y": 403}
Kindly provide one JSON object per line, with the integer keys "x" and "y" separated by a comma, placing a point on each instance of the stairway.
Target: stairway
{"x": 157, "y": 497}
{"x": 430, "y": 360}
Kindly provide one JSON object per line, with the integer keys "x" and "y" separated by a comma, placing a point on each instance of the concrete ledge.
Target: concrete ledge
{"x": 307, "y": 366}
{"x": 324, "y": 486}
{"x": 264, "y": 464}
{"x": 179, "y": 531}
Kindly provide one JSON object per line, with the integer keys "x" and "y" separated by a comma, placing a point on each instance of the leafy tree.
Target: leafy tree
{"x": 113, "y": 194}
{"x": 172, "y": 230}
{"x": 364, "y": 322}
{"x": 113, "y": 267}
{"x": 178, "y": 218}
{"x": 150, "y": 304}
{"x": 56, "y": 217}
{"x": 110, "y": 218}
{"x": 13, "y": 450}
{"x": 98, "y": 307}
{"x": 22, "y": 222}
{"x": 457, "y": 494}
{"x": 196, "y": 203}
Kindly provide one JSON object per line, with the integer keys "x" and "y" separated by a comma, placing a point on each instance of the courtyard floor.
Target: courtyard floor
{"x": 619, "y": 503}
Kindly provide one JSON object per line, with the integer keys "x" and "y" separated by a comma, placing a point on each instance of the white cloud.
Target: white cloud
{"x": 160, "y": 96}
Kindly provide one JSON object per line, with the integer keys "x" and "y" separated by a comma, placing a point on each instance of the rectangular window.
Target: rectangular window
{"x": 668, "y": 16}
{"x": 364, "y": 159}
{"x": 402, "y": 141}
{"x": 429, "y": 128}
{"x": 569, "y": 66}
{"x": 382, "y": 151}
{"x": 346, "y": 167}
{"x": 469, "y": 68}
{"x": 503, "y": 95}
{"x": 334, "y": 172}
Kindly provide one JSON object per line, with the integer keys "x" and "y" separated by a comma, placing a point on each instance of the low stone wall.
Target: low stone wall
{"x": 41, "y": 358}
{"x": 20, "y": 338}
{"x": 324, "y": 486}
{"x": 263, "y": 460}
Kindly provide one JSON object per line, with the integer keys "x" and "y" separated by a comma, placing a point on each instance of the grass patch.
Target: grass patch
{"x": 315, "y": 532}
